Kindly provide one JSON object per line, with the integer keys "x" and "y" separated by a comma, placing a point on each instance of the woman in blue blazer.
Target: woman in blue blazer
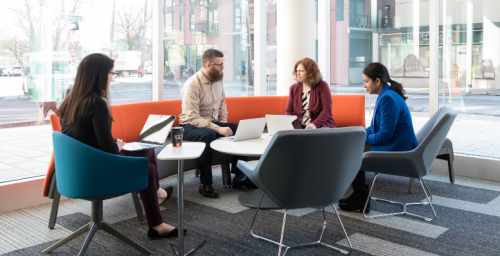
{"x": 391, "y": 128}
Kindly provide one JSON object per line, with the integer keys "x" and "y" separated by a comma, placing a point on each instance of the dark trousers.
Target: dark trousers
{"x": 149, "y": 196}
{"x": 359, "y": 183}
{"x": 207, "y": 135}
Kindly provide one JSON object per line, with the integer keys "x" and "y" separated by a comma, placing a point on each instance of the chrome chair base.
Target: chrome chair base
{"x": 95, "y": 224}
{"x": 319, "y": 242}
{"x": 428, "y": 195}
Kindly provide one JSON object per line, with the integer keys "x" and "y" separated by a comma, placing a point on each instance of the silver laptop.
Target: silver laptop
{"x": 153, "y": 134}
{"x": 248, "y": 129}
{"x": 277, "y": 123}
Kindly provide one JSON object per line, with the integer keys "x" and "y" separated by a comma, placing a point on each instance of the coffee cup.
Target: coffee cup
{"x": 177, "y": 134}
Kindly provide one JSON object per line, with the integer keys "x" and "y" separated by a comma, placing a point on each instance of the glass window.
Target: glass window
{"x": 403, "y": 47}
{"x": 340, "y": 10}
{"x": 181, "y": 21}
{"x": 38, "y": 65}
{"x": 192, "y": 23}
{"x": 183, "y": 51}
{"x": 469, "y": 81}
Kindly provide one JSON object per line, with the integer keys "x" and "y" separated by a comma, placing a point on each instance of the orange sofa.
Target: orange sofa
{"x": 347, "y": 110}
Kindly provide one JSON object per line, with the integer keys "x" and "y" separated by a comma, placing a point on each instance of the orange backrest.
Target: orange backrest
{"x": 240, "y": 108}
{"x": 348, "y": 110}
{"x": 130, "y": 118}
{"x": 56, "y": 126}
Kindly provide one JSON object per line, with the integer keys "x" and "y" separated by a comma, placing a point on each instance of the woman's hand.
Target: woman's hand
{"x": 120, "y": 144}
{"x": 311, "y": 126}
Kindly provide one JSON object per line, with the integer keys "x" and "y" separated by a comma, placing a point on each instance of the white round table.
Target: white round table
{"x": 189, "y": 150}
{"x": 255, "y": 147}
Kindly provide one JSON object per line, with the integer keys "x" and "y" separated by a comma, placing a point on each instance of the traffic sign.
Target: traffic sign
{"x": 72, "y": 18}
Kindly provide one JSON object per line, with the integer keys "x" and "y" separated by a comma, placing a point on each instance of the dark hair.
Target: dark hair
{"x": 378, "y": 70}
{"x": 209, "y": 56}
{"x": 91, "y": 82}
{"x": 312, "y": 70}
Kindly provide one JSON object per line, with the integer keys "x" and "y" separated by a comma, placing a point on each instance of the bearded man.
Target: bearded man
{"x": 204, "y": 117}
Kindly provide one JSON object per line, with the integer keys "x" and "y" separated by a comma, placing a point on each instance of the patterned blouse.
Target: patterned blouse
{"x": 306, "y": 118}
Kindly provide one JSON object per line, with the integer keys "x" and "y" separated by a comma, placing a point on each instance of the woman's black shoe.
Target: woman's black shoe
{"x": 169, "y": 191}
{"x": 153, "y": 234}
{"x": 357, "y": 203}
{"x": 347, "y": 199}
{"x": 350, "y": 197}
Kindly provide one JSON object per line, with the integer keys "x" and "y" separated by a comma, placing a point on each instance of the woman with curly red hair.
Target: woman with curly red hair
{"x": 310, "y": 98}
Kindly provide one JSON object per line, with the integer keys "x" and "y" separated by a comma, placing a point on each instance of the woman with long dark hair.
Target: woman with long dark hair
{"x": 85, "y": 116}
{"x": 391, "y": 128}
{"x": 310, "y": 98}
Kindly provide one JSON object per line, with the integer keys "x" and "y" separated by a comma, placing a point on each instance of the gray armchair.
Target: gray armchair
{"x": 446, "y": 154}
{"x": 412, "y": 164}
{"x": 307, "y": 168}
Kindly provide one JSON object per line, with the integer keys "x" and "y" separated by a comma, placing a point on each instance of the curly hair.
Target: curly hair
{"x": 312, "y": 70}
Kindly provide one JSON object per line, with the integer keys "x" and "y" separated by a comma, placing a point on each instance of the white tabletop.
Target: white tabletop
{"x": 189, "y": 150}
{"x": 255, "y": 147}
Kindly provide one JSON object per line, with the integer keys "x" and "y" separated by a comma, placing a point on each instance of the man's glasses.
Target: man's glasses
{"x": 115, "y": 74}
{"x": 220, "y": 65}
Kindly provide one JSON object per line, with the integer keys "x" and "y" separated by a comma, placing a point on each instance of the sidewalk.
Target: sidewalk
{"x": 25, "y": 151}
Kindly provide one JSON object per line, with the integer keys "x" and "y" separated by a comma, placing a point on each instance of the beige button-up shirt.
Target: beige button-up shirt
{"x": 203, "y": 102}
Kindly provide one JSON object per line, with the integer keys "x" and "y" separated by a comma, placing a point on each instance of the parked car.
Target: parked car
{"x": 12, "y": 71}
{"x": 148, "y": 69}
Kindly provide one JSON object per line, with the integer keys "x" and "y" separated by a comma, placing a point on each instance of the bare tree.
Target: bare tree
{"x": 26, "y": 20}
{"x": 15, "y": 47}
{"x": 131, "y": 26}
{"x": 58, "y": 41}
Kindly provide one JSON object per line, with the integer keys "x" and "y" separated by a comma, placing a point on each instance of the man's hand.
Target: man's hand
{"x": 120, "y": 144}
{"x": 225, "y": 131}
{"x": 311, "y": 126}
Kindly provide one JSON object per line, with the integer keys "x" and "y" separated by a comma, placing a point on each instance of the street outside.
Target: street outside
{"x": 479, "y": 115}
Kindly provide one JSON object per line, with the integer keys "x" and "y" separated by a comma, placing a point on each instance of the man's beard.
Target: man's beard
{"x": 215, "y": 75}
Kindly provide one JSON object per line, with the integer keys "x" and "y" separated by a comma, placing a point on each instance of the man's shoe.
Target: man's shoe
{"x": 208, "y": 191}
{"x": 357, "y": 203}
{"x": 246, "y": 182}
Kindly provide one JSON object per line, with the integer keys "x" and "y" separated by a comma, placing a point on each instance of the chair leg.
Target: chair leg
{"x": 67, "y": 239}
{"x": 319, "y": 242}
{"x": 55, "y": 208}
{"x": 197, "y": 172}
{"x": 90, "y": 235}
{"x": 410, "y": 186}
{"x": 138, "y": 208}
{"x": 428, "y": 195}
{"x": 451, "y": 171}
{"x": 96, "y": 223}
{"x": 282, "y": 233}
{"x": 125, "y": 239}
{"x": 345, "y": 233}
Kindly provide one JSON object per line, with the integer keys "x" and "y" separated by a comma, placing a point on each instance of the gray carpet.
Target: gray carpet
{"x": 467, "y": 223}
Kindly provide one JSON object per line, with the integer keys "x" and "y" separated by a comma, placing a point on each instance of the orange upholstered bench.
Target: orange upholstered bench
{"x": 347, "y": 110}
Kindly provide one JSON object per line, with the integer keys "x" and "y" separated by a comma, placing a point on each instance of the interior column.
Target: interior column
{"x": 295, "y": 38}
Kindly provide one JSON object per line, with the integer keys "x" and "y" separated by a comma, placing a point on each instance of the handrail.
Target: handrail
{"x": 268, "y": 81}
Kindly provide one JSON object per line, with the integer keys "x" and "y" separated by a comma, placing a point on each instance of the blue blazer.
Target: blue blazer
{"x": 391, "y": 128}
